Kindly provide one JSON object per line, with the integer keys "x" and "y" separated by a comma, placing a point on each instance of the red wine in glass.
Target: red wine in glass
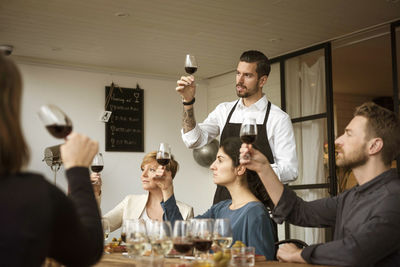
{"x": 163, "y": 154}
{"x": 190, "y": 70}
{"x": 96, "y": 168}
{"x": 59, "y": 131}
{"x": 56, "y": 121}
{"x": 97, "y": 163}
{"x": 248, "y": 131}
{"x": 183, "y": 248}
{"x": 190, "y": 64}
{"x": 162, "y": 161}
{"x": 202, "y": 245}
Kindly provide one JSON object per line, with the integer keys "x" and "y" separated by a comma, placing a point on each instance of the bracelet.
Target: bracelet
{"x": 189, "y": 103}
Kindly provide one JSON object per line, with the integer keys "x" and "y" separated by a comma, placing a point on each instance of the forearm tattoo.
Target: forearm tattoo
{"x": 188, "y": 121}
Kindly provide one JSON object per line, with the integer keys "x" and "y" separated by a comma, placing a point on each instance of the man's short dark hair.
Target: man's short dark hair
{"x": 263, "y": 66}
{"x": 384, "y": 124}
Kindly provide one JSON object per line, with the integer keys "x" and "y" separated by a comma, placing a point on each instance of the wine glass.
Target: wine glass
{"x": 202, "y": 232}
{"x": 163, "y": 154}
{"x": 190, "y": 64}
{"x": 97, "y": 163}
{"x": 160, "y": 235}
{"x": 123, "y": 230}
{"x": 106, "y": 228}
{"x": 56, "y": 121}
{"x": 248, "y": 132}
{"x": 136, "y": 237}
{"x": 182, "y": 238}
{"x": 222, "y": 234}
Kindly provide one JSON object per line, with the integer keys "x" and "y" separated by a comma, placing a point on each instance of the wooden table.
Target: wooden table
{"x": 117, "y": 260}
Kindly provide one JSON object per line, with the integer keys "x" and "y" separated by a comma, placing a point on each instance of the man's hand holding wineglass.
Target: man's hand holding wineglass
{"x": 186, "y": 88}
{"x": 186, "y": 85}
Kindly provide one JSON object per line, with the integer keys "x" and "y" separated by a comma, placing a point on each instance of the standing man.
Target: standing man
{"x": 275, "y": 138}
{"x": 367, "y": 217}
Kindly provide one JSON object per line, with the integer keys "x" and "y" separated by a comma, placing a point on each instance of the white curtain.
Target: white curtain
{"x": 306, "y": 96}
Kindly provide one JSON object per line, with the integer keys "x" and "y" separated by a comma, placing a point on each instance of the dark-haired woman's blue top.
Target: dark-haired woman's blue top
{"x": 250, "y": 224}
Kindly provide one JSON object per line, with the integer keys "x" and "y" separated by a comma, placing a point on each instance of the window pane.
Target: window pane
{"x": 273, "y": 87}
{"x": 305, "y": 84}
{"x": 312, "y": 151}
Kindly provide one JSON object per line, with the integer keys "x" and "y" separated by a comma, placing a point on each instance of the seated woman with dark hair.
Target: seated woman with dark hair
{"x": 249, "y": 218}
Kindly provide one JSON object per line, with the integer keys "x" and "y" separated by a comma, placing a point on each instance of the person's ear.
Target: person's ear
{"x": 240, "y": 170}
{"x": 263, "y": 80}
{"x": 375, "y": 145}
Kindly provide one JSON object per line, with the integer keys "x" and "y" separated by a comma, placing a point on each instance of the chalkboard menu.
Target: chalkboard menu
{"x": 124, "y": 130}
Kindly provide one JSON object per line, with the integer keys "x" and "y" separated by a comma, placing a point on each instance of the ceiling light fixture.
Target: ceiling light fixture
{"x": 6, "y": 49}
{"x": 275, "y": 40}
{"x": 122, "y": 14}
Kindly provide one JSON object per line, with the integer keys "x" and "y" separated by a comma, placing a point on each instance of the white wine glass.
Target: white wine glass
{"x": 222, "y": 234}
{"x": 137, "y": 242}
{"x": 106, "y": 228}
{"x": 190, "y": 64}
{"x": 163, "y": 154}
{"x": 55, "y": 120}
{"x": 106, "y": 231}
{"x": 160, "y": 235}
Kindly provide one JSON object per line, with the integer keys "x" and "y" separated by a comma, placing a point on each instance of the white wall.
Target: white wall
{"x": 81, "y": 95}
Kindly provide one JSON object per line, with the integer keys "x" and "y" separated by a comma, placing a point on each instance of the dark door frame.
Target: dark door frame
{"x": 395, "y": 77}
{"x": 332, "y": 180}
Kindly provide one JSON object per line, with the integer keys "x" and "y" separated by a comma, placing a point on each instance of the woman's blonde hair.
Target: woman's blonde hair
{"x": 172, "y": 166}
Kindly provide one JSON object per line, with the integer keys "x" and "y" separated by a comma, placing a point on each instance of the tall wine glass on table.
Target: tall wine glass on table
{"x": 137, "y": 242}
{"x": 160, "y": 235}
{"x": 222, "y": 234}
{"x": 182, "y": 238}
{"x": 202, "y": 232}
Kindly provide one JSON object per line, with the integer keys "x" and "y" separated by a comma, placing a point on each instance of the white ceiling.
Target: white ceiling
{"x": 156, "y": 34}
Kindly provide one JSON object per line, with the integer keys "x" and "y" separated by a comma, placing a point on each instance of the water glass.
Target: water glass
{"x": 243, "y": 256}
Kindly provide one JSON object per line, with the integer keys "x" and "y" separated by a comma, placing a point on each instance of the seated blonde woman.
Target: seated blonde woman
{"x": 145, "y": 206}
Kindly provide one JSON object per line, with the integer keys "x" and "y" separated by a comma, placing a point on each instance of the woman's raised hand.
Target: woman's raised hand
{"x": 163, "y": 179}
{"x": 95, "y": 178}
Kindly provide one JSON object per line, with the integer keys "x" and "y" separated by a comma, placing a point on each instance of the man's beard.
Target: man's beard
{"x": 247, "y": 93}
{"x": 354, "y": 159}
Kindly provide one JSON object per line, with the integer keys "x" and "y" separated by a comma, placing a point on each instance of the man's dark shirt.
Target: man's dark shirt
{"x": 366, "y": 220}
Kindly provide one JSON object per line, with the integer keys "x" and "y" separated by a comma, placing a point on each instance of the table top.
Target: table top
{"x": 117, "y": 260}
